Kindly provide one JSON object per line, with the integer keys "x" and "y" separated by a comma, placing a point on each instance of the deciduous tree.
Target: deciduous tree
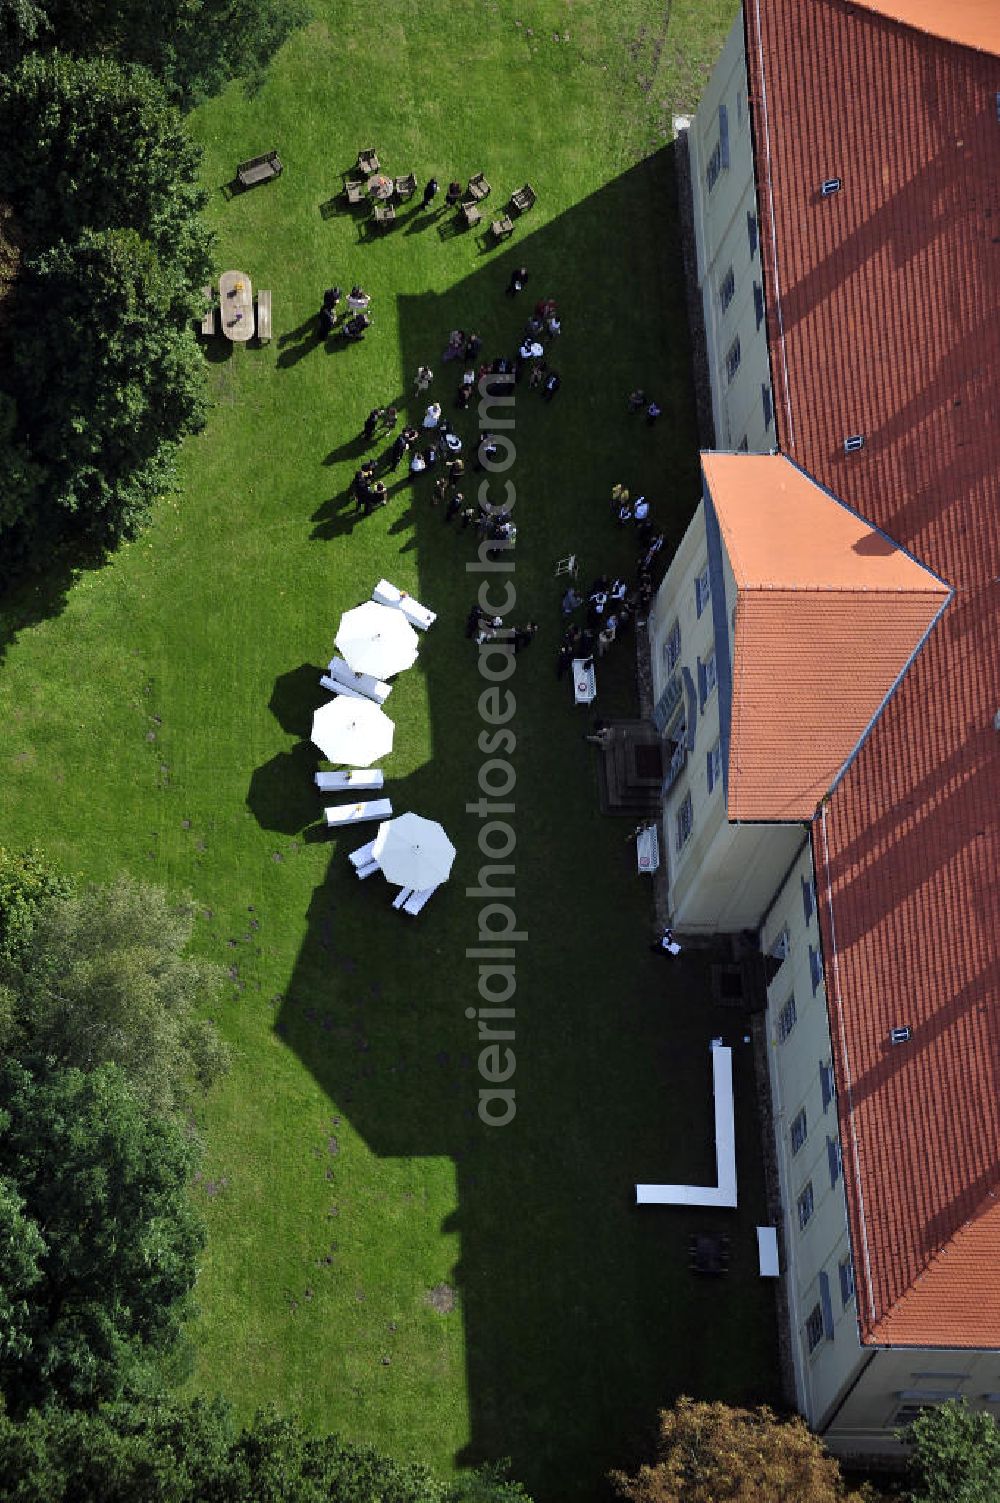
{"x": 168, "y": 1452}
{"x": 104, "y": 1183}
{"x": 107, "y": 978}
{"x": 956, "y": 1455}
{"x": 711, "y": 1453}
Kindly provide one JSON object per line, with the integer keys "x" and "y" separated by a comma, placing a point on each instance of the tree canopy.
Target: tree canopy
{"x": 711, "y": 1453}
{"x": 956, "y": 1455}
{"x": 27, "y": 882}
{"x": 102, "y": 374}
{"x": 164, "y": 1451}
{"x": 101, "y": 1239}
{"x": 186, "y": 44}
{"x": 106, "y": 977}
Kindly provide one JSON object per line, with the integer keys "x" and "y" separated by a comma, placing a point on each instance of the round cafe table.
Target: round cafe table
{"x": 236, "y": 305}
{"x": 380, "y": 186}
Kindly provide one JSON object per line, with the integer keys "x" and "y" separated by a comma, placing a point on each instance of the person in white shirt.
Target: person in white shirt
{"x": 433, "y": 415}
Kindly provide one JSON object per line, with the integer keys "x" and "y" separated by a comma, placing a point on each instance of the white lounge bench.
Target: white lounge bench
{"x": 358, "y": 814}
{"x": 362, "y": 855}
{"x": 357, "y": 777}
{"x": 336, "y": 687}
{"x": 767, "y": 1252}
{"x": 416, "y": 900}
{"x": 417, "y": 614}
{"x": 368, "y": 870}
{"x": 362, "y": 683}
{"x": 403, "y": 896}
{"x": 584, "y": 681}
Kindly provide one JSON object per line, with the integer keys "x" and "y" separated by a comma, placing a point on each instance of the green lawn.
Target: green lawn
{"x": 153, "y": 717}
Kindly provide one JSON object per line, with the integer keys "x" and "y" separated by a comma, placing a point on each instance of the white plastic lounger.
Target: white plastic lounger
{"x": 362, "y": 683}
{"x": 336, "y": 687}
{"x": 403, "y": 896}
{"x": 417, "y": 614}
{"x": 367, "y": 871}
{"x": 362, "y": 855}
{"x": 416, "y": 901}
{"x": 357, "y": 777}
{"x": 358, "y": 814}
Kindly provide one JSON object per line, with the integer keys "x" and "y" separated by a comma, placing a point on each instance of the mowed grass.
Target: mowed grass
{"x": 378, "y": 1260}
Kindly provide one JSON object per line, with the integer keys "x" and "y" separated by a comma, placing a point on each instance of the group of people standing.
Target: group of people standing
{"x": 352, "y": 320}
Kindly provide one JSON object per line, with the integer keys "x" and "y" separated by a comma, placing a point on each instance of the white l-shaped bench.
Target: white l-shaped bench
{"x": 723, "y": 1192}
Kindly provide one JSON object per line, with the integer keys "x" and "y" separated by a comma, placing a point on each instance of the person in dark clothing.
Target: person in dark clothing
{"x": 456, "y": 470}
{"x": 456, "y": 503}
{"x": 551, "y": 386}
{"x": 525, "y": 635}
{"x": 463, "y": 397}
{"x": 430, "y": 192}
{"x": 331, "y": 298}
{"x": 371, "y": 422}
{"x": 453, "y": 194}
{"x": 326, "y": 322}
{"x": 518, "y": 277}
{"x": 440, "y": 490}
{"x": 636, "y": 399}
{"x": 473, "y": 619}
{"x": 472, "y": 346}
{"x": 356, "y": 326}
{"x": 430, "y": 456}
{"x": 564, "y": 660}
{"x": 399, "y": 448}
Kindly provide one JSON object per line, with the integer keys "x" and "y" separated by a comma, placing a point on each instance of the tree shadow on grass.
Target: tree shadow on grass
{"x": 37, "y": 598}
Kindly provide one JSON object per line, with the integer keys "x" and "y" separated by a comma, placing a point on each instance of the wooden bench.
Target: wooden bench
{"x": 208, "y": 318}
{"x": 478, "y": 186}
{"x": 264, "y": 316}
{"x": 368, "y": 162}
{"x": 501, "y": 228}
{"x": 356, "y": 191}
{"x": 405, "y": 187}
{"x": 384, "y": 216}
{"x": 470, "y": 214}
{"x": 258, "y": 169}
{"x": 523, "y": 199}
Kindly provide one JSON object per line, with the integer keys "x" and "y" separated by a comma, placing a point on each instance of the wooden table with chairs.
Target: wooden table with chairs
{"x": 236, "y": 306}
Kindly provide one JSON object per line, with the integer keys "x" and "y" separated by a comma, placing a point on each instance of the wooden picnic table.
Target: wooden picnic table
{"x": 236, "y": 305}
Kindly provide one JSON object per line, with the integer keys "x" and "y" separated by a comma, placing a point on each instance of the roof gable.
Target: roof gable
{"x": 829, "y": 613}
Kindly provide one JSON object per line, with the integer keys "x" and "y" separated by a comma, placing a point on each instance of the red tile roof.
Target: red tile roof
{"x": 884, "y": 320}
{"x": 834, "y": 594}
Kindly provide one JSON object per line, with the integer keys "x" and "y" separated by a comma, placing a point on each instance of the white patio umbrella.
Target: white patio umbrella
{"x": 355, "y": 731}
{"x": 376, "y": 639}
{"x": 413, "y": 851}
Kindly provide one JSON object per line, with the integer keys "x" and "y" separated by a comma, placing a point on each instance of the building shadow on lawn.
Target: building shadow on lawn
{"x": 581, "y": 1317}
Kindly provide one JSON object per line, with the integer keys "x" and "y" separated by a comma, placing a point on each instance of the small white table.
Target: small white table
{"x": 584, "y": 681}
{"x": 647, "y": 850}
